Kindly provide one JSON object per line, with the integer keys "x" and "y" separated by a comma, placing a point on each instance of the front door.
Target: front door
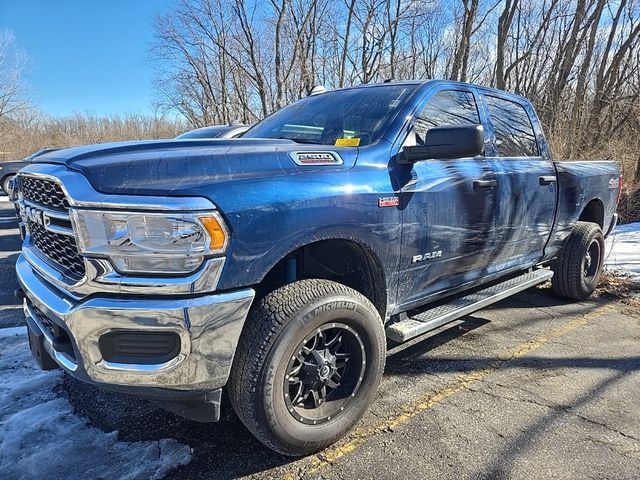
{"x": 448, "y": 206}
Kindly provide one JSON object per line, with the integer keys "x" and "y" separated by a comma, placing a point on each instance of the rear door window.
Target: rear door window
{"x": 513, "y": 129}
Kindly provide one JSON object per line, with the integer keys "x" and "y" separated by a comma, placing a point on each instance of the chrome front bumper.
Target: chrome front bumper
{"x": 209, "y": 327}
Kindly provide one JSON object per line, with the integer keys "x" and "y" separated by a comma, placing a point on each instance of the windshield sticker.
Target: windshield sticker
{"x": 347, "y": 142}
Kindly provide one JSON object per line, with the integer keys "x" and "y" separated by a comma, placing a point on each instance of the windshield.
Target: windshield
{"x": 351, "y": 117}
{"x": 206, "y": 132}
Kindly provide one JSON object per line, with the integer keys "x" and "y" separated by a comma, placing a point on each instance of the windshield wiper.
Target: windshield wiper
{"x": 301, "y": 140}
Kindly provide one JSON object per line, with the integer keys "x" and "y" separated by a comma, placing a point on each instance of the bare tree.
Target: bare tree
{"x": 463, "y": 46}
{"x": 577, "y": 60}
{"x": 504, "y": 25}
{"x": 13, "y": 95}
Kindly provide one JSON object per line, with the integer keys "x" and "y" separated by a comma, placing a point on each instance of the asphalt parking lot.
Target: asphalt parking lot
{"x": 534, "y": 387}
{"x": 10, "y": 313}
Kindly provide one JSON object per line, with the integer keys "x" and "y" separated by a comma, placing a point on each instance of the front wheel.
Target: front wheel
{"x": 307, "y": 366}
{"x": 579, "y": 265}
{"x": 5, "y": 184}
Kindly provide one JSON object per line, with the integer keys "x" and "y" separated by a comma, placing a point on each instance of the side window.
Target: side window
{"x": 513, "y": 129}
{"x": 448, "y": 107}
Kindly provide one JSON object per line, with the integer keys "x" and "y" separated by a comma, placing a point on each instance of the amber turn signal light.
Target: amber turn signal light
{"x": 217, "y": 233}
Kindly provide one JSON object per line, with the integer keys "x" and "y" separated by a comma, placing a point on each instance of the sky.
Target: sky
{"x": 86, "y": 56}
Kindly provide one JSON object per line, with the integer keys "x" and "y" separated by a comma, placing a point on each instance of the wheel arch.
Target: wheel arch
{"x": 343, "y": 260}
{"x": 593, "y": 212}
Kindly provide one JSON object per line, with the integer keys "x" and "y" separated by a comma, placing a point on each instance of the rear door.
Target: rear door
{"x": 448, "y": 205}
{"x": 527, "y": 184}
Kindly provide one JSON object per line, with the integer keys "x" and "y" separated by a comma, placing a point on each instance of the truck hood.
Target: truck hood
{"x": 179, "y": 167}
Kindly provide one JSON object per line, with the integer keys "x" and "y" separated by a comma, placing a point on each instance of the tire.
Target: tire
{"x": 281, "y": 327}
{"x": 5, "y": 183}
{"x": 579, "y": 265}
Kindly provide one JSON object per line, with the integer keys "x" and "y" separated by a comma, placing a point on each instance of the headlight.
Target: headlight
{"x": 150, "y": 243}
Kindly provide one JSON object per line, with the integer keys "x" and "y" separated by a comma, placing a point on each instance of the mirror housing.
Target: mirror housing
{"x": 447, "y": 141}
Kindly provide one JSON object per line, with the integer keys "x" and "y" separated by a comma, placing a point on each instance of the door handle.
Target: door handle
{"x": 477, "y": 184}
{"x": 547, "y": 179}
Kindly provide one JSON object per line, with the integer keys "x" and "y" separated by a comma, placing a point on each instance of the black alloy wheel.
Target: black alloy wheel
{"x": 592, "y": 259}
{"x": 324, "y": 374}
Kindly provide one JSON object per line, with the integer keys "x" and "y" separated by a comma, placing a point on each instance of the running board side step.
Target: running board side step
{"x": 459, "y": 307}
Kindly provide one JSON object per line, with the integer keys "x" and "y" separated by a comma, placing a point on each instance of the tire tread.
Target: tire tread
{"x": 567, "y": 281}
{"x": 267, "y": 318}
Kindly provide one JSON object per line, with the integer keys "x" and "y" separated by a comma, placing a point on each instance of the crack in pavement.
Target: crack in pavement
{"x": 568, "y": 409}
{"x": 623, "y": 452}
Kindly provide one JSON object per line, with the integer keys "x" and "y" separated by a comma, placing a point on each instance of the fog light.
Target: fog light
{"x": 143, "y": 348}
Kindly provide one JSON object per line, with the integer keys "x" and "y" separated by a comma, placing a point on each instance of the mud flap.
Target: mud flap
{"x": 36, "y": 345}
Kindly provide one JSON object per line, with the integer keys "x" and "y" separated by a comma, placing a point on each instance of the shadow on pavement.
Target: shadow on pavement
{"x": 527, "y": 438}
{"x": 10, "y": 243}
{"x": 9, "y": 224}
{"x": 220, "y": 450}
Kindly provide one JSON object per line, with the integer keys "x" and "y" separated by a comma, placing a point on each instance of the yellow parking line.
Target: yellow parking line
{"x": 361, "y": 435}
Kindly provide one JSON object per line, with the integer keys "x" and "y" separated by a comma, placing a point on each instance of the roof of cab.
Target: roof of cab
{"x": 490, "y": 90}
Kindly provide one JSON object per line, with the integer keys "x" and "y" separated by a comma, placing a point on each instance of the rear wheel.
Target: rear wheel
{"x": 579, "y": 265}
{"x": 307, "y": 366}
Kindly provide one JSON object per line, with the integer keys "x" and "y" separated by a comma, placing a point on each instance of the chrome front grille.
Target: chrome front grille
{"x": 59, "y": 249}
{"x": 46, "y": 215}
{"x": 43, "y": 192}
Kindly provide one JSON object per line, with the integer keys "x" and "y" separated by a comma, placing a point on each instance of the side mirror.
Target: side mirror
{"x": 448, "y": 141}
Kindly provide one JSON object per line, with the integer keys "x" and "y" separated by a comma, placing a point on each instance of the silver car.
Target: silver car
{"x": 233, "y": 130}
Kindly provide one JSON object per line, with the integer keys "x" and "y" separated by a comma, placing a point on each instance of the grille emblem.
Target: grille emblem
{"x": 36, "y": 215}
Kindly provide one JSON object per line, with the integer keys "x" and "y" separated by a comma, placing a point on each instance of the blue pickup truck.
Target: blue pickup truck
{"x": 278, "y": 265}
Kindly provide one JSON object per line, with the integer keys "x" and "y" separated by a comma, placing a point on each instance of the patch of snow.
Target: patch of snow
{"x": 623, "y": 250}
{"x": 42, "y": 437}
{"x": 13, "y": 331}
